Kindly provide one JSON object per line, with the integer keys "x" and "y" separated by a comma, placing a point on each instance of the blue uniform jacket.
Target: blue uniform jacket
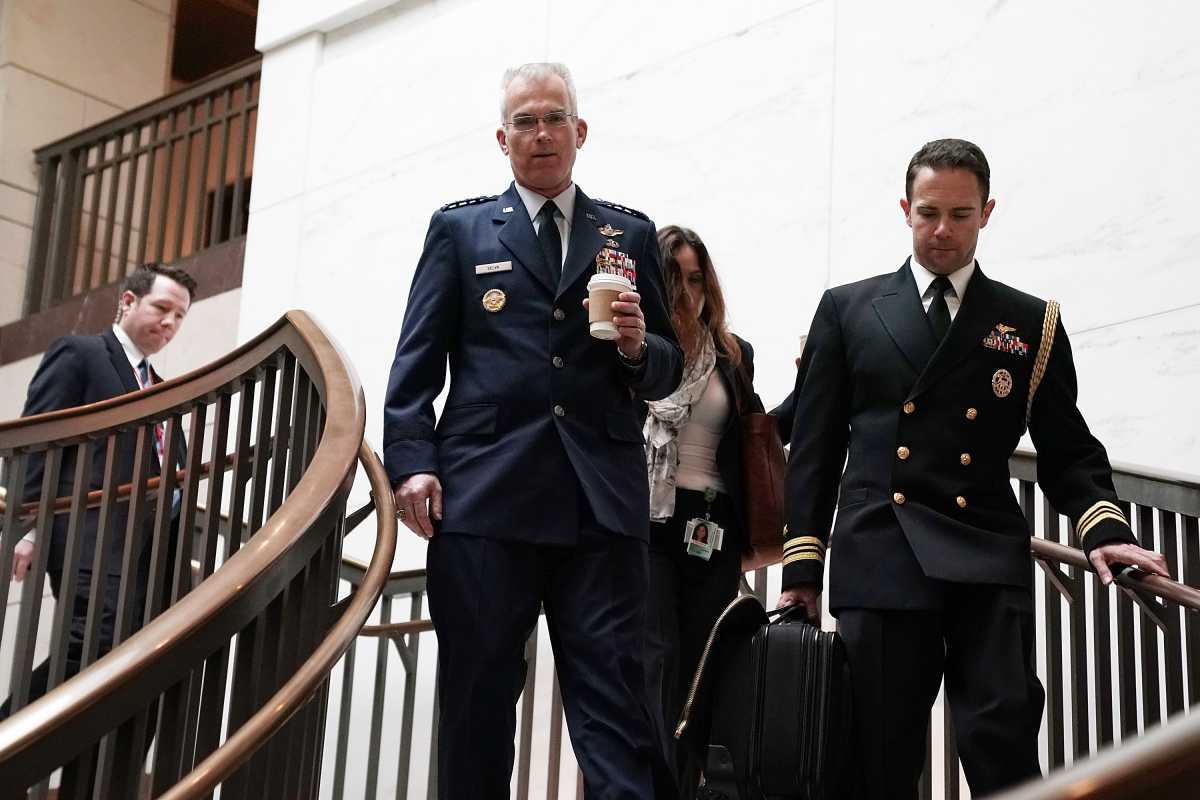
{"x": 538, "y": 411}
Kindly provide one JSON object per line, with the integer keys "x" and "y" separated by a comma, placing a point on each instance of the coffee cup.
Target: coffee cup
{"x": 603, "y": 290}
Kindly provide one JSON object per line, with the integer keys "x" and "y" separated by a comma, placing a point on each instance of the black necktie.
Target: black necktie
{"x": 549, "y": 238}
{"x": 939, "y": 313}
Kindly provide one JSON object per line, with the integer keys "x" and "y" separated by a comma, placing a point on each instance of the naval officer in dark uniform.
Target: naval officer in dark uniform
{"x": 531, "y": 486}
{"x": 928, "y": 377}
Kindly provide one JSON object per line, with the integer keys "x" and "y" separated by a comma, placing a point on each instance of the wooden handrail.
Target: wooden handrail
{"x": 1165, "y": 588}
{"x": 255, "y": 732}
{"x": 151, "y": 660}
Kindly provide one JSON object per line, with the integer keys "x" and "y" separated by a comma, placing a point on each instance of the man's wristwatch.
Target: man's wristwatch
{"x": 633, "y": 361}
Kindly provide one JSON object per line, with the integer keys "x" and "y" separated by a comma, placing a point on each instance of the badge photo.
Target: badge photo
{"x": 702, "y": 537}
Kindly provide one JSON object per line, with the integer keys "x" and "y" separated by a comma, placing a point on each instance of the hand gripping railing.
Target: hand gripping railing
{"x": 210, "y": 616}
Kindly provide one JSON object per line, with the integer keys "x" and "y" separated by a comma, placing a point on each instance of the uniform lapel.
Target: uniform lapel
{"x": 586, "y": 240}
{"x": 899, "y": 309}
{"x": 518, "y": 236}
{"x": 972, "y": 323}
{"x": 120, "y": 362}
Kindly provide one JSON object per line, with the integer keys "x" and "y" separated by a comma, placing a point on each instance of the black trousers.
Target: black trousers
{"x": 485, "y": 596}
{"x": 982, "y": 641}
{"x": 687, "y": 594}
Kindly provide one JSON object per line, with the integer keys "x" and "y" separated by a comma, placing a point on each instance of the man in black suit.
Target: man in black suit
{"x": 76, "y": 371}
{"x": 928, "y": 377}
{"x": 531, "y": 487}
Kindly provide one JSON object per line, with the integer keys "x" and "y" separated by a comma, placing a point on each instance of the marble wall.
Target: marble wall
{"x": 65, "y": 65}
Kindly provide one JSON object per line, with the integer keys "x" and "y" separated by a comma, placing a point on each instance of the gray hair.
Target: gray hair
{"x": 532, "y": 71}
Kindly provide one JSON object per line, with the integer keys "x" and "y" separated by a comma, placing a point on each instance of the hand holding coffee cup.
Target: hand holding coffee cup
{"x": 615, "y": 312}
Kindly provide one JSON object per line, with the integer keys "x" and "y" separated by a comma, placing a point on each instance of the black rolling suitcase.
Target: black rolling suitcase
{"x": 769, "y": 709}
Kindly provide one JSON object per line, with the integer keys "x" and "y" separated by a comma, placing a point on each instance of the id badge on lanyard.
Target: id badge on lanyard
{"x": 702, "y": 535}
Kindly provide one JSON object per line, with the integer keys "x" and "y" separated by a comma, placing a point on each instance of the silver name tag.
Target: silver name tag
{"x": 499, "y": 266}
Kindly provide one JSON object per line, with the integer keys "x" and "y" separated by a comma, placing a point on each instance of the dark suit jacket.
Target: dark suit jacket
{"x": 76, "y": 371}
{"x": 538, "y": 411}
{"x": 925, "y": 433}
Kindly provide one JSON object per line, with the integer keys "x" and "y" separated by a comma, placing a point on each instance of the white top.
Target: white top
{"x": 958, "y": 282}
{"x": 565, "y": 200}
{"x": 132, "y": 352}
{"x": 700, "y": 437}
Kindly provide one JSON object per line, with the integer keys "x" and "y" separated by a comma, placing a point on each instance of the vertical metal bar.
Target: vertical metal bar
{"x": 1172, "y": 643}
{"x": 106, "y": 251}
{"x": 262, "y": 452}
{"x": 1126, "y": 662}
{"x": 128, "y": 604}
{"x": 1190, "y": 574}
{"x": 135, "y": 158}
{"x": 168, "y": 747}
{"x": 554, "y": 764}
{"x": 242, "y": 464}
{"x": 31, "y": 592}
{"x": 263, "y": 657}
{"x": 202, "y": 185}
{"x": 215, "y": 234}
{"x": 87, "y": 270}
{"x": 344, "y": 711}
{"x": 62, "y": 241}
{"x": 283, "y": 430}
{"x": 235, "y": 213}
{"x": 159, "y": 581}
{"x": 100, "y": 559}
{"x": 68, "y": 589}
{"x": 1151, "y": 694}
{"x": 39, "y": 247}
{"x": 181, "y": 579}
{"x": 377, "y": 704}
{"x": 148, "y": 193}
{"x": 185, "y": 177}
{"x": 167, "y": 185}
{"x": 1077, "y": 621}
{"x": 1102, "y": 661}
{"x": 409, "y": 654}
{"x": 527, "y": 698}
{"x": 950, "y": 745}
{"x": 299, "y": 431}
{"x": 1055, "y": 735}
{"x": 11, "y": 533}
{"x": 431, "y": 789}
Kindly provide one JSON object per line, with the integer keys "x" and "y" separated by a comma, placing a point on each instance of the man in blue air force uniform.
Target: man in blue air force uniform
{"x": 921, "y": 382}
{"x": 531, "y": 487}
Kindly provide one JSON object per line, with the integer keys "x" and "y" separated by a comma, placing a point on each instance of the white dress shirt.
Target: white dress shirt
{"x": 132, "y": 352}
{"x": 565, "y": 200}
{"x": 958, "y": 282}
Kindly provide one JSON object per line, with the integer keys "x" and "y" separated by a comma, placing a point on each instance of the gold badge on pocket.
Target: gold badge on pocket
{"x": 1002, "y": 383}
{"x": 494, "y": 300}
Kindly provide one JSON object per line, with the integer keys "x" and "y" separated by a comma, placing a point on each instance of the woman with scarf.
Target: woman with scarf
{"x": 694, "y": 463}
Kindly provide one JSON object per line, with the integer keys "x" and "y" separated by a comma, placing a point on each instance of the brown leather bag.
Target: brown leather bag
{"x": 763, "y": 464}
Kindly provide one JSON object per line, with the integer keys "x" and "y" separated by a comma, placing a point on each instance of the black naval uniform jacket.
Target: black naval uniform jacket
{"x": 925, "y": 433}
{"x": 538, "y": 410}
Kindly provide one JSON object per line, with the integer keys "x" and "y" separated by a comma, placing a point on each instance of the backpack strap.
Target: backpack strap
{"x": 1049, "y": 327}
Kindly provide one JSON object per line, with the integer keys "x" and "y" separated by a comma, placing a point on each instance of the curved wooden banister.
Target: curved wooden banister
{"x": 286, "y": 548}
{"x": 299, "y": 688}
{"x": 1154, "y": 585}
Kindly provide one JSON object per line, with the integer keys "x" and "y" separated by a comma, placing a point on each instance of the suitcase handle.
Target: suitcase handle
{"x": 785, "y": 614}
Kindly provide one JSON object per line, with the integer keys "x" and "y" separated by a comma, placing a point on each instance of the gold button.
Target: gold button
{"x": 902, "y": 453}
{"x": 962, "y": 501}
{"x": 899, "y": 498}
{"x": 972, "y": 413}
{"x": 910, "y": 407}
{"x": 965, "y": 459}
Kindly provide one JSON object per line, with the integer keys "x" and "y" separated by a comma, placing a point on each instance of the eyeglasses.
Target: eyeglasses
{"x": 528, "y": 122}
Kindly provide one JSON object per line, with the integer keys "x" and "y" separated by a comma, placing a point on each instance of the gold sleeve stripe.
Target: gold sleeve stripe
{"x": 803, "y": 542}
{"x": 1100, "y": 511}
{"x": 817, "y": 552}
{"x": 1103, "y": 505}
{"x": 802, "y": 557}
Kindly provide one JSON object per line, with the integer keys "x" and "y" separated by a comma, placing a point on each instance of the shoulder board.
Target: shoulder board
{"x": 633, "y": 212}
{"x": 471, "y": 201}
